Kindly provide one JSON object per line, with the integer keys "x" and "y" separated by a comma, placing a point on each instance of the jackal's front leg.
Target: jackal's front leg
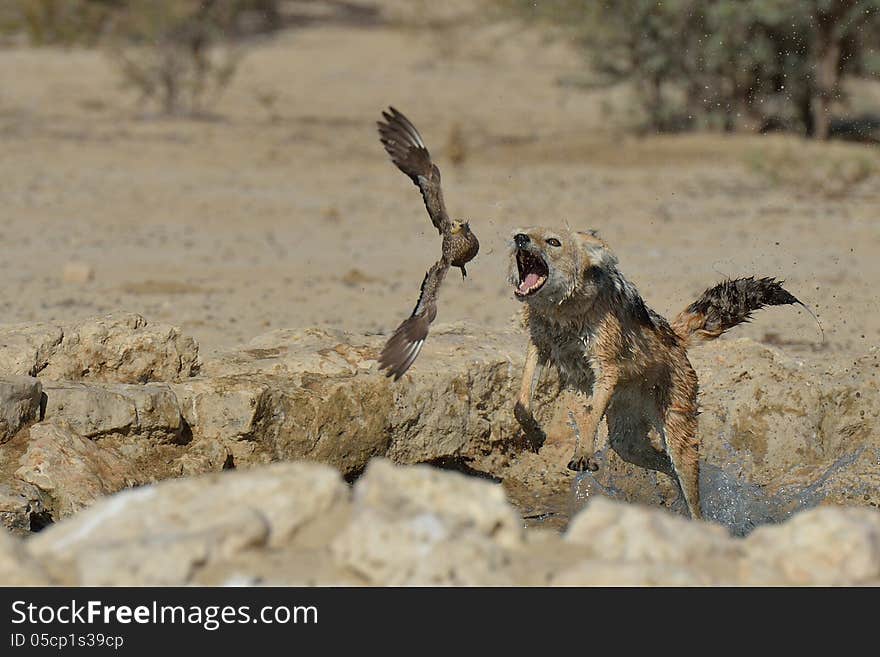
{"x": 579, "y": 413}
{"x": 523, "y": 408}
{"x": 587, "y": 420}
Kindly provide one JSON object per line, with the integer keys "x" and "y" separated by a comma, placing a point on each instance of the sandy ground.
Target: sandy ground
{"x": 293, "y": 216}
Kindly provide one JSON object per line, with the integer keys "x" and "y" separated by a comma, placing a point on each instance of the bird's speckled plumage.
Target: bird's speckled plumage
{"x": 407, "y": 150}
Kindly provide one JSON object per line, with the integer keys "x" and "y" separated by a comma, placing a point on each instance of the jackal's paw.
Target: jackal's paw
{"x": 534, "y": 434}
{"x": 583, "y": 463}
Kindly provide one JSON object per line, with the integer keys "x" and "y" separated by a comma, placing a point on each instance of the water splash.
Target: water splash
{"x": 741, "y": 506}
{"x": 726, "y": 495}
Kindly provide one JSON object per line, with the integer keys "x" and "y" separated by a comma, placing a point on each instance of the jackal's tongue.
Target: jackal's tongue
{"x": 528, "y": 282}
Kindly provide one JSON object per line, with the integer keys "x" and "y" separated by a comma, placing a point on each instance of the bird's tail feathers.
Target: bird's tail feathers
{"x": 404, "y": 346}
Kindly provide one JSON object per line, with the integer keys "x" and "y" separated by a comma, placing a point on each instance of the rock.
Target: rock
{"x": 164, "y": 534}
{"x": 759, "y": 408}
{"x": 604, "y": 573}
{"x": 419, "y": 551}
{"x": 22, "y": 508}
{"x": 20, "y": 402}
{"x": 203, "y": 456}
{"x": 461, "y": 502}
{"x": 318, "y": 395}
{"x": 124, "y": 349}
{"x": 614, "y": 531}
{"x": 420, "y": 525}
{"x": 771, "y": 414}
{"x": 292, "y": 352}
{"x": 17, "y": 567}
{"x": 72, "y": 470}
{"x": 25, "y": 349}
{"x": 298, "y": 523}
{"x": 77, "y": 273}
{"x": 227, "y": 407}
{"x": 819, "y": 547}
{"x": 92, "y": 410}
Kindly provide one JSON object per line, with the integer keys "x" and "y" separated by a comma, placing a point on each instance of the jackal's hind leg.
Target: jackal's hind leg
{"x": 628, "y": 436}
{"x": 680, "y": 430}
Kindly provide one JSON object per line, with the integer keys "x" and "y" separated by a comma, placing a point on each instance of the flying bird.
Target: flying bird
{"x": 459, "y": 245}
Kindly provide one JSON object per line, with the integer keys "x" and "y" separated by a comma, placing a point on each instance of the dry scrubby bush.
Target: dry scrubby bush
{"x": 724, "y": 63}
{"x": 179, "y": 55}
{"x": 174, "y": 53}
{"x": 57, "y": 22}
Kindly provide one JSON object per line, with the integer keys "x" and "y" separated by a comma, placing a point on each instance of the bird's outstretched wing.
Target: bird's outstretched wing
{"x": 404, "y": 345}
{"x": 408, "y": 151}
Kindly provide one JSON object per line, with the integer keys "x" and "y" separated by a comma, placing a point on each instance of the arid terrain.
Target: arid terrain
{"x": 190, "y": 295}
{"x": 283, "y": 211}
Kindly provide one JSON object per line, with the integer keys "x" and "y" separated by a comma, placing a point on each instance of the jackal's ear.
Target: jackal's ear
{"x": 593, "y": 252}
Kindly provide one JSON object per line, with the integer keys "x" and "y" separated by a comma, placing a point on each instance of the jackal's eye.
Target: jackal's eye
{"x": 552, "y": 241}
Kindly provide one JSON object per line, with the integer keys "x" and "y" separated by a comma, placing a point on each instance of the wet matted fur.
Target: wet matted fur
{"x": 586, "y": 319}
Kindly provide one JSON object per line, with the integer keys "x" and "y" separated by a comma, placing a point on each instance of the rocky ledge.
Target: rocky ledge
{"x": 117, "y": 403}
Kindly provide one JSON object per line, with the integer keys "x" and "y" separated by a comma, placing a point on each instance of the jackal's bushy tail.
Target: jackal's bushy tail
{"x": 728, "y": 304}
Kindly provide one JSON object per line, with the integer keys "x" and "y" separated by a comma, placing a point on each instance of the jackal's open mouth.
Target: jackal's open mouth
{"x": 533, "y": 273}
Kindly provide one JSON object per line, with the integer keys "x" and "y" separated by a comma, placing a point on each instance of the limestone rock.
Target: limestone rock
{"x": 72, "y": 470}
{"x": 827, "y": 546}
{"x": 93, "y": 410}
{"x": 234, "y": 408}
{"x": 298, "y": 523}
{"x": 318, "y": 395}
{"x": 22, "y": 508}
{"x": 615, "y": 531}
{"x": 25, "y": 349}
{"x": 17, "y": 567}
{"x": 204, "y": 456}
{"x": 124, "y": 349}
{"x": 421, "y": 525}
{"x": 295, "y": 351}
{"x": 603, "y": 573}
{"x": 163, "y": 534}
{"x": 20, "y": 401}
{"x": 421, "y": 550}
{"x": 778, "y": 436}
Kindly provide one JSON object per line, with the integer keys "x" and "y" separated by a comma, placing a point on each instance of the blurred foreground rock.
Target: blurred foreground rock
{"x": 17, "y": 567}
{"x": 300, "y": 524}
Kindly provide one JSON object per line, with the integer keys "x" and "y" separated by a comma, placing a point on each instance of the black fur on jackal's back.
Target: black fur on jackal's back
{"x": 730, "y": 303}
